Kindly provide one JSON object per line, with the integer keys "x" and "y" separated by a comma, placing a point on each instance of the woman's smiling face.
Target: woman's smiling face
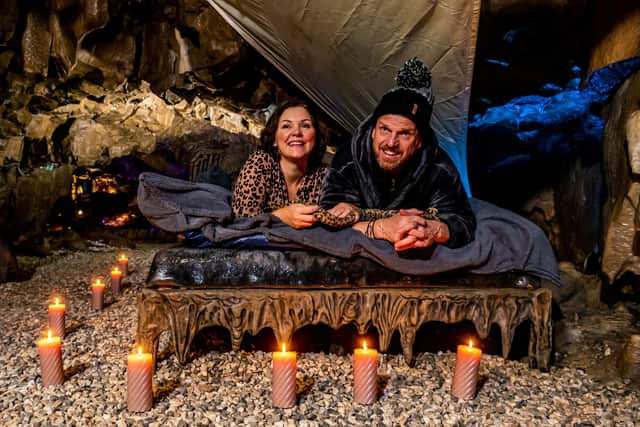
{"x": 296, "y": 135}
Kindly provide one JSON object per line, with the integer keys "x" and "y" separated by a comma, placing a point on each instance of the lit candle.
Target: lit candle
{"x": 283, "y": 380}
{"x": 124, "y": 264}
{"x": 139, "y": 381}
{"x": 365, "y": 374}
{"x": 465, "y": 376}
{"x": 57, "y": 317}
{"x": 116, "y": 281}
{"x": 50, "y": 350}
{"x": 97, "y": 294}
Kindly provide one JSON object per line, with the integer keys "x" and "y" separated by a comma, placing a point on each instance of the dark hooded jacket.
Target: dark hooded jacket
{"x": 430, "y": 179}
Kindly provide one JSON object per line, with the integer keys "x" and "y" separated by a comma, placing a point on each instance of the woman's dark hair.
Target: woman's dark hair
{"x": 268, "y": 134}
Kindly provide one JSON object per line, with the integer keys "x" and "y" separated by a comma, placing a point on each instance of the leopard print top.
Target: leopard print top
{"x": 261, "y": 187}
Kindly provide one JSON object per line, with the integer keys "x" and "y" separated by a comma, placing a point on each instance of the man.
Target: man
{"x": 394, "y": 163}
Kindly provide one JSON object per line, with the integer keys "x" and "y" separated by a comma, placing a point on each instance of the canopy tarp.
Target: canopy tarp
{"x": 345, "y": 54}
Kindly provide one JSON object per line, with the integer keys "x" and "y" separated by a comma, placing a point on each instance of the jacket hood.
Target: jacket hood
{"x": 380, "y": 190}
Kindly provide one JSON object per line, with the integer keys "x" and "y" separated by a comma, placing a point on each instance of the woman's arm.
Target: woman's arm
{"x": 250, "y": 190}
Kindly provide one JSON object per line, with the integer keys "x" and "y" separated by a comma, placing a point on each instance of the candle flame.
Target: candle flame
{"x": 140, "y": 351}
{"x": 284, "y": 348}
{"x": 364, "y": 345}
{"x": 470, "y": 344}
{"x": 49, "y": 335}
{"x": 123, "y": 257}
{"x": 57, "y": 301}
{"x": 97, "y": 282}
{"x": 115, "y": 270}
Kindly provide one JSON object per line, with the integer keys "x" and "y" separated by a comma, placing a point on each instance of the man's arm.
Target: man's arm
{"x": 405, "y": 231}
{"x": 451, "y": 200}
{"x": 341, "y": 183}
{"x": 456, "y": 221}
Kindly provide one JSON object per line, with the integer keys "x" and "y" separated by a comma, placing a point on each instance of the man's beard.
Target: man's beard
{"x": 390, "y": 166}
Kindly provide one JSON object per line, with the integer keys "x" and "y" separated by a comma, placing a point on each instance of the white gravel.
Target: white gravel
{"x": 231, "y": 388}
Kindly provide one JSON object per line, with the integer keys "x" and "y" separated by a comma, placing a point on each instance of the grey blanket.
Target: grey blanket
{"x": 503, "y": 241}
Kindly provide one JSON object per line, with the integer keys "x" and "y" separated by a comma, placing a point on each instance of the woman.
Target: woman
{"x": 285, "y": 176}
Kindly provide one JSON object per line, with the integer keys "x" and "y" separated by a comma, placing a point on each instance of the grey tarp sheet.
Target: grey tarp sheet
{"x": 345, "y": 53}
{"x": 503, "y": 241}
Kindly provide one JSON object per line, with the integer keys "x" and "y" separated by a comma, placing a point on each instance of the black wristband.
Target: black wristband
{"x": 370, "y": 230}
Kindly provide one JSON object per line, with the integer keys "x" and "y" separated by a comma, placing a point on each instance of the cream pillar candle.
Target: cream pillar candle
{"x": 283, "y": 379}
{"x": 97, "y": 294}
{"x": 465, "y": 376}
{"x": 123, "y": 261}
{"x": 50, "y": 350}
{"x": 365, "y": 375}
{"x": 116, "y": 281}
{"x": 56, "y": 317}
{"x": 139, "y": 381}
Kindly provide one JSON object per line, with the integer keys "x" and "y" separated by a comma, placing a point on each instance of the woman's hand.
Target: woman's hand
{"x": 297, "y": 215}
{"x": 344, "y": 209}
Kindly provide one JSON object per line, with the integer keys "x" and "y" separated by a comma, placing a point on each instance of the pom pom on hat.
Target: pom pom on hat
{"x": 415, "y": 75}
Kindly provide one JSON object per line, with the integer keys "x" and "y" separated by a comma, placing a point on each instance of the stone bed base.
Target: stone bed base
{"x": 185, "y": 311}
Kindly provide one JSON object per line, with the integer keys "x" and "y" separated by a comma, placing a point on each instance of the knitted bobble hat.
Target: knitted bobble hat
{"x": 412, "y": 97}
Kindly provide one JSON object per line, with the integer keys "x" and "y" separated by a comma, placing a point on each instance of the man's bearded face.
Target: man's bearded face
{"x": 395, "y": 139}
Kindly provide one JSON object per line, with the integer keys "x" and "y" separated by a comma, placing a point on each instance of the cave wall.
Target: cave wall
{"x": 155, "y": 41}
{"x": 552, "y": 172}
{"x": 617, "y": 37}
{"x": 616, "y": 32}
{"x": 100, "y": 86}
{"x": 534, "y": 48}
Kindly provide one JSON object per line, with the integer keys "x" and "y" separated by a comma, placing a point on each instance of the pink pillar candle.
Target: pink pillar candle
{"x": 50, "y": 350}
{"x": 97, "y": 294}
{"x": 283, "y": 380}
{"x": 116, "y": 281}
{"x": 56, "y": 317}
{"x": 123, "y": 261}
{"x": 139, "y": 381}
{"x": 465, "y": 376}
{"x": 365, "y": 375}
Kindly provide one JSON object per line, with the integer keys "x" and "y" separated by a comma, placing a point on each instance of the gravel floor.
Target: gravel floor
{"x": 231, "y": 388}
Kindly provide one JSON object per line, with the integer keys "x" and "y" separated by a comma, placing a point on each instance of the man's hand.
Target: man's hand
{"x": 297, "y": 215}
{"x": 343, "y": 209}
{"x": 423, "y": 237}
{"x": 407, "y": 231}
{"x": 397, "y": 227}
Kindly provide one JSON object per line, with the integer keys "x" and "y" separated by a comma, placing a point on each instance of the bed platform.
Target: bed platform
{"x": 248, "y": 290}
